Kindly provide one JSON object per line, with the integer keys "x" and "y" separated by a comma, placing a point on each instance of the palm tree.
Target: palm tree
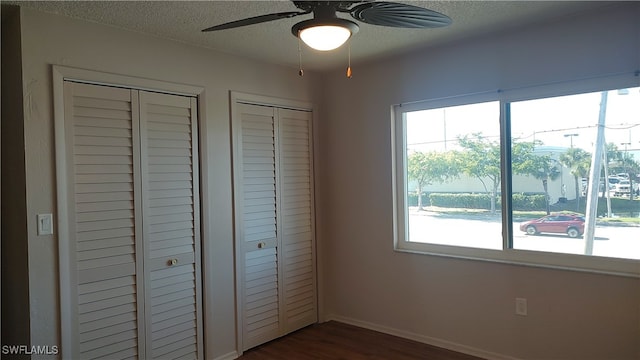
{"x": 578, "y": 161}
{"x": 541, "y": 167}
{"x": 633, "y": 169}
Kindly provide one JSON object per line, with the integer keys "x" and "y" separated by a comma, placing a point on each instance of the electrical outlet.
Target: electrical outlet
{"x": 521, "y": 306}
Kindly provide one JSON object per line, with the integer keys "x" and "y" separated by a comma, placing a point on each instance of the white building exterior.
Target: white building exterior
{"x": 563, "y": 186}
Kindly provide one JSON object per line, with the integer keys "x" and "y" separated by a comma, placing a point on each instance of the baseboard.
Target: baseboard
{"x": 228, "y": 356}
{"x": 469, "y": 350}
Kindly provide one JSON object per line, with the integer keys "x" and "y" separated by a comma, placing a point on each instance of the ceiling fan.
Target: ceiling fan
{"x": 326, "y": 31}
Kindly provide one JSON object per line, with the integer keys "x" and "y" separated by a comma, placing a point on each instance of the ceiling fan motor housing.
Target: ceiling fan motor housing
{"x": 324, "y": 13}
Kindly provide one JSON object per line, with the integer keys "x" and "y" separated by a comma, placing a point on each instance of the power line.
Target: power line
{"x": 452, "y": 140}
{"x": 621, "y": 126}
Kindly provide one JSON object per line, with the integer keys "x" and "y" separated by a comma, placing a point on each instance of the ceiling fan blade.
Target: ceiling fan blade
{"x": 398, "y": 15}
{"x": 256, "y": 20}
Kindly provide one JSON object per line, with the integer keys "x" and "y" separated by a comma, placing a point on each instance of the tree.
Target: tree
{"x": 623, "y": 162}
{"x": 481, "y": 159}
{"x": 541, "y": 167}
{"x": 417, "y": 169}
{"x": 427, "y": 168}
{"x": 578, "y": 161}
{"x": 632, "y": 168}
{"x": 614, "y": 156}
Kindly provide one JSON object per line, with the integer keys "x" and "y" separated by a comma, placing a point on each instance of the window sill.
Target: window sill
{"x": 545, "y": 260}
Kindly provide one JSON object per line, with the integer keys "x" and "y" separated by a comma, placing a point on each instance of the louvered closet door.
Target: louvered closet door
{"x": 297, "y": 234}
{"x": 101, "y": 311}
{"x": 171, "y": 226}
{"x": 275, "y": 245}
{"x": 130, "y": 247}
{"x": 256, "y": 225}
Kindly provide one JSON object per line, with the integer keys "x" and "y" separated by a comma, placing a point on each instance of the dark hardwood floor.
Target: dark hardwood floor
{"x": 334, "y": 340}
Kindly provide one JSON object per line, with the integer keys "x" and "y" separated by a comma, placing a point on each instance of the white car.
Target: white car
{"x": 622, "y": 188}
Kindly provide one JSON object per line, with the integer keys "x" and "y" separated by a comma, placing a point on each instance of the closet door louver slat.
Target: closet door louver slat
{"x": 171, "y": 230}
{"x": 101, "y": 133}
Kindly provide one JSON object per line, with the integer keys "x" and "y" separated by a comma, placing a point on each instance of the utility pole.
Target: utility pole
{"x": 571, "y": 137}
{"x": 605, "y": 157}
{"x": 562, "y": 187}
{"x": 625, "y": 159}
{"x": 594, "y": 179}
{"x": 444, "y": 126}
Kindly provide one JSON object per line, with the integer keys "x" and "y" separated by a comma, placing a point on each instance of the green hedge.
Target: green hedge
{"x": 528, "y": 202}
{"x": 465, "y": 201}
{"x": 618, "y": 205}
{"x": 412, "y": 199}
{"x": 477, "y": 201}
{"x": 521, "y": 202}
{"x": 624, "y": 205}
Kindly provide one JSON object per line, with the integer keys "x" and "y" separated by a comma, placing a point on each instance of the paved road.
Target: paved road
{"x": 610, "y": 241}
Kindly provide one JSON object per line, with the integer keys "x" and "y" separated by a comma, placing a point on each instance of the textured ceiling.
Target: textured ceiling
{"x": 273, "y": 42}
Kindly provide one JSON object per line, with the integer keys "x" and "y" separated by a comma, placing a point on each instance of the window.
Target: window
{"x": 507, "y": 176}
{"x": 453, "y": 175}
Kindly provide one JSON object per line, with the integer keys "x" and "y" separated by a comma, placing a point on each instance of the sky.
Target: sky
{"x": 561, "y": 121}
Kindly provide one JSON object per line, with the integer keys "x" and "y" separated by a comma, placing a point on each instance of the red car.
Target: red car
{"x": 570, "y": 224}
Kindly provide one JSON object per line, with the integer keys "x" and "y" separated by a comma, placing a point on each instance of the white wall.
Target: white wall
{"x": 49, "y": 39}
{"x": 572, "y": 315}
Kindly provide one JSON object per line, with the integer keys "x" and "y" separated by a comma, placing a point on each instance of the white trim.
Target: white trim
{"x": 282, "y": 304}
{"x": 561, "y": 88}
{"x": 109, "y": 79}
{"x": 228, "y": 356}
{"x": 64, "y": 261}
{"x": 197, "y": 221}
{"x": 141, "y": 307}
{"x": 590, "y": 84}
{"x": 253, "y": 99}
{"x": 207, "y": 238}
{"x": 237, "y": 190}
{"x": 446, "y": 344}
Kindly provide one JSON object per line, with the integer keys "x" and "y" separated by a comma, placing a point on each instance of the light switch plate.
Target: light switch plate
{"x": 45, "y": 224}
{"x": 521, "y": 306}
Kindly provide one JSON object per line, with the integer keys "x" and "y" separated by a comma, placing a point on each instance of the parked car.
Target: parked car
{"x": 622, "y": 188}
{"x": 613, "y": 180}
{"x": 570, "y": 224}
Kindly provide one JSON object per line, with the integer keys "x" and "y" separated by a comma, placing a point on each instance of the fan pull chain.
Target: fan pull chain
{"x": 300, "y": 72}
{"x": 349, "y": 74}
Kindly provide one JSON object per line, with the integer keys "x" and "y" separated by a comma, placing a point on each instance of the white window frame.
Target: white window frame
{"x": 585, "y": 263}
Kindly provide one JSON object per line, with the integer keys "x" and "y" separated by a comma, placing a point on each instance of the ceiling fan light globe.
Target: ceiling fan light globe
{"x": 324, "y": 34}
{"x": 325, "y": 37}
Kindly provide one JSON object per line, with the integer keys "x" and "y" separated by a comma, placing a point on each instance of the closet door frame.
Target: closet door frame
{"x": 237, "y": 98}
{"x": 60, "y": 74}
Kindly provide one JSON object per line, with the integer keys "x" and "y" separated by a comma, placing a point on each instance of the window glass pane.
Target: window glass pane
{"x": 453, "y": 176}
{"x": 553, "y": 144}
